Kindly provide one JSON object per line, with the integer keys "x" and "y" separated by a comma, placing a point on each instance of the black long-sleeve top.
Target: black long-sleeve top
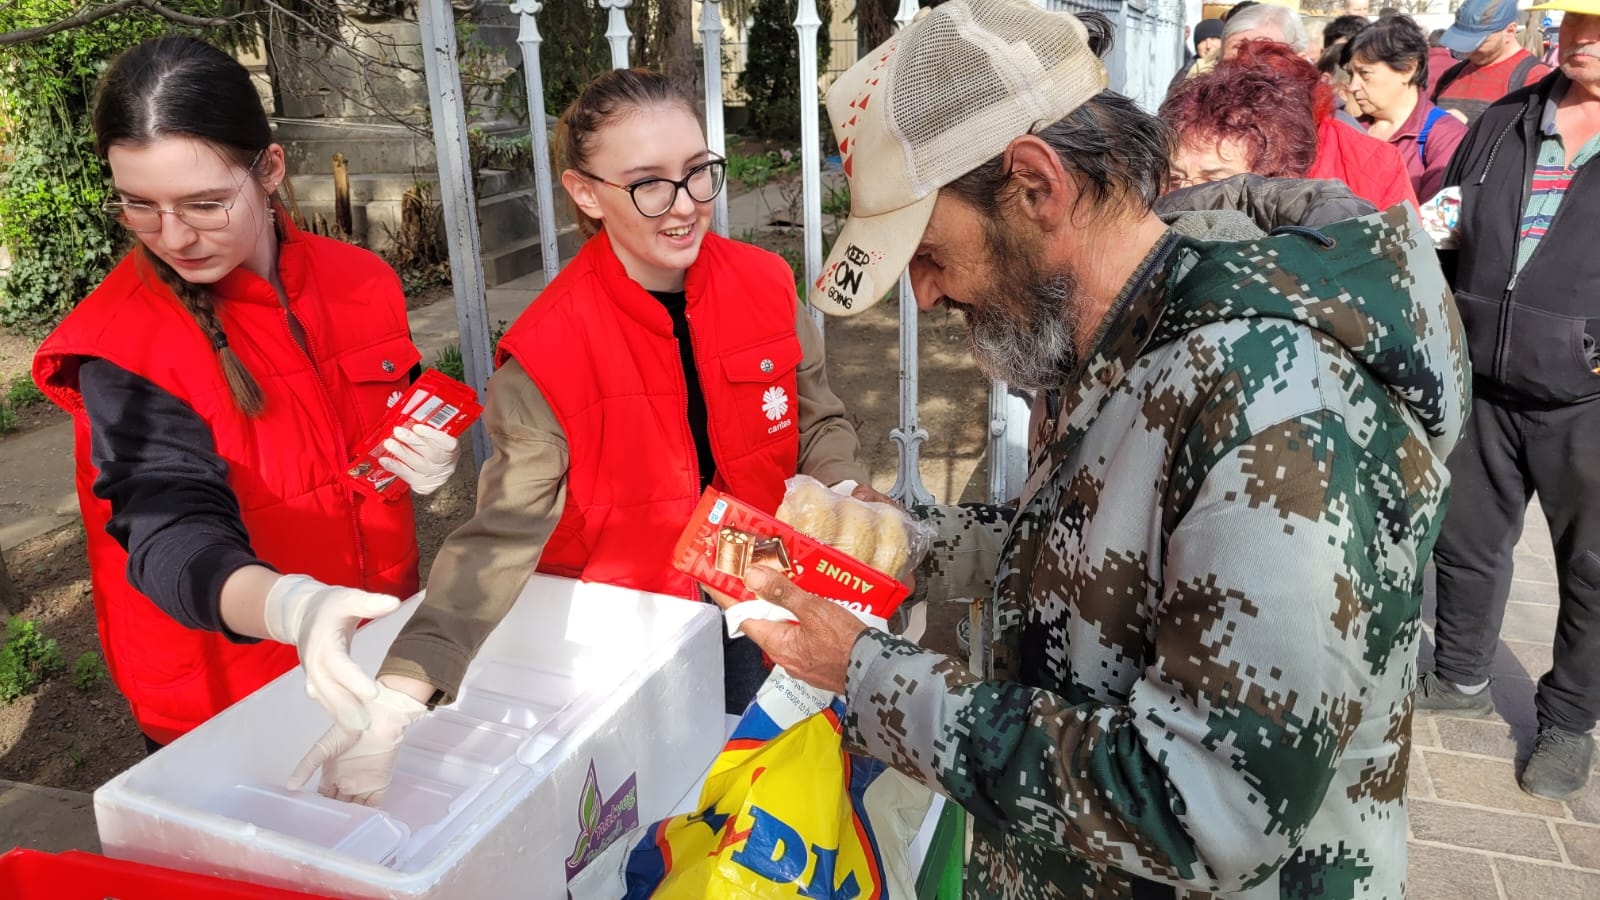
{"x": 171, "y": 506}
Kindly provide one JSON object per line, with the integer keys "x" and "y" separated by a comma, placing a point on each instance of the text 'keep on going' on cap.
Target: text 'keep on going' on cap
{"x": 941, "y": 98}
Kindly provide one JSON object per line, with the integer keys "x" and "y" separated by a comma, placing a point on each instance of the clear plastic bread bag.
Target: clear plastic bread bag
{"x": 879, "y": 534}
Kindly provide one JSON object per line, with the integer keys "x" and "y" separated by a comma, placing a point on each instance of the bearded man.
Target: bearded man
{"x": 1202, "y": 613}
{"x": 1528, "y": 286}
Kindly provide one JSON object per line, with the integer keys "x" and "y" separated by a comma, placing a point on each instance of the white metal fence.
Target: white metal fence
{"x": 1146, "y": 53}
{"x": 735, "y": 54}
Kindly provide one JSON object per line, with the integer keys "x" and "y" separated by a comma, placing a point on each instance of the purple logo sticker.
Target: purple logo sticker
{"x": 601, "y": 821}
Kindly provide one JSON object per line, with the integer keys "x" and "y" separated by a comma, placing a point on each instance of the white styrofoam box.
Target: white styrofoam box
{"x": 589, "y": 710}
{"x": 690, "y": 801}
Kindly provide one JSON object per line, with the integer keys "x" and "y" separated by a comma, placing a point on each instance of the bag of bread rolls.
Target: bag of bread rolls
{"x": 879, "y": 534}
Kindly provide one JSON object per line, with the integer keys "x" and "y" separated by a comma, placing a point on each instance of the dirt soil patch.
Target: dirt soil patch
{"x": 424, "y": 296}
{"x": 16, "y": 363}
{"x": 64, "y": 737}
{"x": 61, "y": 736}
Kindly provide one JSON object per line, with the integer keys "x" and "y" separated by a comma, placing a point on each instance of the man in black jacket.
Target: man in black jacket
{"x": 1527, "y": 284}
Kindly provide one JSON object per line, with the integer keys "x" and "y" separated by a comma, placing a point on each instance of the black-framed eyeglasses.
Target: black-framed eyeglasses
{"x": 201, "y": 215}
{"x": 652, "y": 197}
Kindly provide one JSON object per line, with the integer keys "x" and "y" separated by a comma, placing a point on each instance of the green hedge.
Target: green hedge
{"x": 771, "y": 77}
{"x": 51, "y": 183}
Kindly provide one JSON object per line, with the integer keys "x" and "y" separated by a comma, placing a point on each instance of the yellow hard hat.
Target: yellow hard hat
{"x": 1581, "y": 7}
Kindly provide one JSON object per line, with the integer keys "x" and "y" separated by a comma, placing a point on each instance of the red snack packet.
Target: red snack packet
{"x": 435, "y": 400}
{"x": 725, "y": 535}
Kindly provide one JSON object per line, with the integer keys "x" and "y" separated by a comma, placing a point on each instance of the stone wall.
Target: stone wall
{"x": 369, "y": 101}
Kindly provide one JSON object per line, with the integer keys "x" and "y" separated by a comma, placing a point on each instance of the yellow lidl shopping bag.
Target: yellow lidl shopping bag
{"x": 785, "y": 812}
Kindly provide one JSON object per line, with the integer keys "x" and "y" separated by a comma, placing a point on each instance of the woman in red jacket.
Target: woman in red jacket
{"x": 218, "y": 379}
{"x": 663, "y": 359}
{"x": 1265, "y": 110}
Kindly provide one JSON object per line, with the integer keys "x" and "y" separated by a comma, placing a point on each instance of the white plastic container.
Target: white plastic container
{"x": 589, "y": 710}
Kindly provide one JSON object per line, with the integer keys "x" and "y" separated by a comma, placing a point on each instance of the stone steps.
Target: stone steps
{"x": 384, "y": 163}
{"x": 510, "y": 261}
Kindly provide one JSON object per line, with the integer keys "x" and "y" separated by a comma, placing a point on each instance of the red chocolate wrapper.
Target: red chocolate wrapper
{"x": 725, "y": 536}
{"x": 435, "y": 400}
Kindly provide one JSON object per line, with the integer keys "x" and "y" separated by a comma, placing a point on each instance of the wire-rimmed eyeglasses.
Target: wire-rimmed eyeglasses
{"x": 201, "y": 215}
{"x": 652, "y": 197}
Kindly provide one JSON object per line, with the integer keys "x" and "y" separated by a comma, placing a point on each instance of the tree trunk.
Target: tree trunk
{"x": 874, "y": 23}
{"x": 663, "y": 40}
{"x": 10, "y": 600}
{"x": 342, "y": 218}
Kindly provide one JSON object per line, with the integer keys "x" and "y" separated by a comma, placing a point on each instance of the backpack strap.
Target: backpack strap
{"x": 1434, "y": 115}
{"x": 1519, "y": 75}
{"x": 1450, "y": 75}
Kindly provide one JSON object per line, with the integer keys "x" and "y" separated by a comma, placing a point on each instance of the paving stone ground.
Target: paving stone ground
{"x": 1474, "y": 834}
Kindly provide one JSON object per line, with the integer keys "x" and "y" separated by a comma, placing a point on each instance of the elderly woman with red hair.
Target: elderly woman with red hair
{"x": 1266, "y": 111}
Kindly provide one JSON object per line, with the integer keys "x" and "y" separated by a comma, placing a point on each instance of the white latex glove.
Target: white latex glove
{"x": 319, "y": 619}
{"x": 423, "y": 457}
{"x": 357, "y": 765}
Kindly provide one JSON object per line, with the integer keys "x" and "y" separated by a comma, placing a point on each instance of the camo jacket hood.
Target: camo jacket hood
{"x": 1199, "y": 623}
{"x": 1408, "y": 336}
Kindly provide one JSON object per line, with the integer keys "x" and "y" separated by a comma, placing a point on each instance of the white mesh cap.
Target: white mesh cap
{"x": 932, "y": 103}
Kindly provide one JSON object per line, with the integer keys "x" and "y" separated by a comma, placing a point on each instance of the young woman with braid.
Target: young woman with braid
{"x": 218, "y": 380}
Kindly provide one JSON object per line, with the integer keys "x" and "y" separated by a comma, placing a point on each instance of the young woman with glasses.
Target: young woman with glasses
{"x": 219, "y": 379}
{"x": 662, "y": 359}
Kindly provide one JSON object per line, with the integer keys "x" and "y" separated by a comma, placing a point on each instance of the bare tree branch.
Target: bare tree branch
{"x": 184, "y": 18}
{"x": 81, "y": 17}
{"x": 92, "y": 14}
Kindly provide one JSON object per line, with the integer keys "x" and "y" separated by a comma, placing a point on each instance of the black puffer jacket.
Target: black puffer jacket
{"x": 1269, "y": 202}
{"x": 1527, "y": 334}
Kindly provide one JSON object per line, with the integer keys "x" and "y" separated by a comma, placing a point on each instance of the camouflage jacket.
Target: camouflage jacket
{"x": 1203, "y": 620}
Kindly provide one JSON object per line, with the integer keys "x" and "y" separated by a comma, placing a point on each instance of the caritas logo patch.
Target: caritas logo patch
{"x": 775, "y": 403}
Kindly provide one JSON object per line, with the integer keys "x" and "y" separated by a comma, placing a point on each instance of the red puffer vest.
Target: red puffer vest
{"x": 286, "y": 466}
{"x": 601, "y": 351}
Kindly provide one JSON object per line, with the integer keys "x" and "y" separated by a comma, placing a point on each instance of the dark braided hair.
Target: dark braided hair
{"x": 181, "y": 86}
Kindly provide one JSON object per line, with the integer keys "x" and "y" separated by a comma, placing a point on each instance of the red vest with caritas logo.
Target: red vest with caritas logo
{"x": 286, "y": 466}
{"x": 601, "y": 351}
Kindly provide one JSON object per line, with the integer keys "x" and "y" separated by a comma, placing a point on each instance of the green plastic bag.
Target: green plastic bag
{"x": 942, "y": 868}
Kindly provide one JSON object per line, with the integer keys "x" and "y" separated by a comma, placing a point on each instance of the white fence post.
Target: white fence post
{"x": 437, "y": 25}
{"x": 617, "y": 31}
{"x": 806, "y": 23}
{"x": 529, "y": 39}
{"x": 716, "y": 134}
{"x": 910, "y": 436}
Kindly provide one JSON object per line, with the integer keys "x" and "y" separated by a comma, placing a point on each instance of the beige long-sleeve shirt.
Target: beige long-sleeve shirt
{"x": 484, "y": 564}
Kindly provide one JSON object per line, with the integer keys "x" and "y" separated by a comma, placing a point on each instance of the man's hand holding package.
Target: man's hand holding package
{"x": 423, "y": 457}
{"x": 319, "y": 620}
{"x": 816, "y": 647}
{"x": 357, "y": 765}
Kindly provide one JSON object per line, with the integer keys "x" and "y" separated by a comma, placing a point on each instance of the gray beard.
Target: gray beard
{"x": 1033, "y": 351}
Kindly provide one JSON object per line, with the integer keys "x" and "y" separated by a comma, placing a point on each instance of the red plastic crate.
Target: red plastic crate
{"x": 75, "y": 875}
